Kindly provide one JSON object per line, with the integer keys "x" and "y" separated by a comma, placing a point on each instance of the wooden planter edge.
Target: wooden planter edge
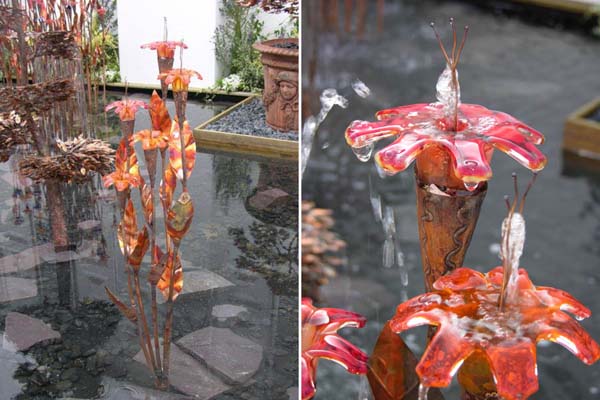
{"x": 240, "y": 143}
{"x": 581, "y": 135}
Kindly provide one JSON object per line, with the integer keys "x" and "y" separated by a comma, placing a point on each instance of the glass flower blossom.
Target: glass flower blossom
{"x": 464, "y": 307}
{"x": 126, "y": 108}
{"x": 152, "y": 139}
{"x": 164, "y": 48}
{"x": 179, "y": 78}
{"x": 467, "y": 132}
{"x": 320, "y": 340}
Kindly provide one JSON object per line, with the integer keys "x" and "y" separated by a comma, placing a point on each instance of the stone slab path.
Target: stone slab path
{"x": 233, "y": 356}
{"x": 22, "y": 332}
{"x": 190, "y": 376}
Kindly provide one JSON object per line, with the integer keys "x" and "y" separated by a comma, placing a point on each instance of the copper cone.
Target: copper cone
{"x": 151, "y": 156}
{"x": 180, "y": 105}
{"x": 122, "y": 198}
{"x": 165, "y": 64}
{"x": 447, "y": 220}
{"x": 127, "y": 128}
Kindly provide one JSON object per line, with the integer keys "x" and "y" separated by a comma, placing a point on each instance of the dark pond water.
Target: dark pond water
{"x": 239, "y": 296}
{"x": 540, "y": 75}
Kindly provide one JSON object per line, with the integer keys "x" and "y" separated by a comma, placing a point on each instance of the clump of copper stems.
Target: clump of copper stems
{"x": 452, "y": 61}
{"x": 517, "y": 205}
{"x": 74, "y": 161}
{"x": 320, "y": 249}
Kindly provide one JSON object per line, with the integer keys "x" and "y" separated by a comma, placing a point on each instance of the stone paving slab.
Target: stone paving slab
{"x": 22, "y": 332}
{"x": 225, "y": 311}
{"x": 221, "y": 349}
{"x": 12, "y": 289}
{"x": 25, "y": 259}
{"x": 190, "y": 376}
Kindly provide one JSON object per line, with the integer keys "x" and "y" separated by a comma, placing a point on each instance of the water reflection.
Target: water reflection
{"x": 46, "y": 293}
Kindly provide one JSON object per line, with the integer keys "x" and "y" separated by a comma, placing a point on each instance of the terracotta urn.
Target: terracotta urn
{"x": 280, "y": 96}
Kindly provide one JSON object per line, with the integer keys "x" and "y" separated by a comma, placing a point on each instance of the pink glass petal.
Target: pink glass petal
{"x": 442, "y": 358}
{"x": 470, "y": 158}
{"x": 339, "y": 350}
{"x": 514, "y": 369}
{"x": 362, "y": 133}
{"x": 512, "y": 142}
{"x": 400, "y": 154}
{"x": 417, "y": 112}
{"x": 308, "y": 384}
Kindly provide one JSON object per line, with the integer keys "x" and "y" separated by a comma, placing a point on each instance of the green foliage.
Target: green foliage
{"x": 233, "y": 44}
{"x": 104, "y": 38}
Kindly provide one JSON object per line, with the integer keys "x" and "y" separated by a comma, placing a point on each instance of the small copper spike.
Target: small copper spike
{"x": 453, "y": 39}
{"x": 529, "y": 186}
{"x": 462, "y": 45}
{"x": 439, "y": 39}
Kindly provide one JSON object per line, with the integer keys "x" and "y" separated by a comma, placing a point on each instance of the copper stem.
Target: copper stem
{"x": 169, "y": 316}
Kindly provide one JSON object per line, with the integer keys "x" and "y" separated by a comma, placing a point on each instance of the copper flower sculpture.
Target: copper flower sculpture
{"x": 452, "y": 145}
{"x": 498, "y": 317}
{"x": 165, "y": 54}
{"x": 175, "y": 142}
{"x": 467, "y": 133}
{"x": 320, "y": 340}
{"x": 126, "y": 108}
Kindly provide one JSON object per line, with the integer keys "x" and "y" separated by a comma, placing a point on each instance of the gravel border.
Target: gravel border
{"x": 250, "y": 119}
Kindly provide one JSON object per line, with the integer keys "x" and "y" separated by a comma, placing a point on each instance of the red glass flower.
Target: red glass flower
{"x": 152, "y": 139}
{"x": 465, "y": 308}
{"x": 126, "y": 108}
{"x": 180, "y": 78}
{"x": 164, "y": 48}
{"x": 467, "y": 132}
{"x": 320, "y": 340}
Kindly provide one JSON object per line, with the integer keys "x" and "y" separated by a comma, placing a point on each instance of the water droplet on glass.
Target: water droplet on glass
{"x": 364, "y": 153}
{"x": 360, "y": 88}
{"x": 388, "y": 253}
{"x": 325, "y": 145}
{"x": 471, "y": 186}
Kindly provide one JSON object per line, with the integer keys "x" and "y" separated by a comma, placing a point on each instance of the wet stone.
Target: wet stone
{"x": 269, "y": 198}
{"x": 22, "y": 332}
{"x": 215, "y": 347}
{"x": 189, "y": 376}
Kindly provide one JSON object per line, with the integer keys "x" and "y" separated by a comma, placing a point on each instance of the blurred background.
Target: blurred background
{"x": 536, "y": 60}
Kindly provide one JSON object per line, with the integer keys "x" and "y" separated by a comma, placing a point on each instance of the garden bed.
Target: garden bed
{"x": 582, "y": 131}
{"x": 243, "y": 129}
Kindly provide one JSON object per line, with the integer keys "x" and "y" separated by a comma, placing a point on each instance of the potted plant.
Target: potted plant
{"x": 280, "y": 62}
